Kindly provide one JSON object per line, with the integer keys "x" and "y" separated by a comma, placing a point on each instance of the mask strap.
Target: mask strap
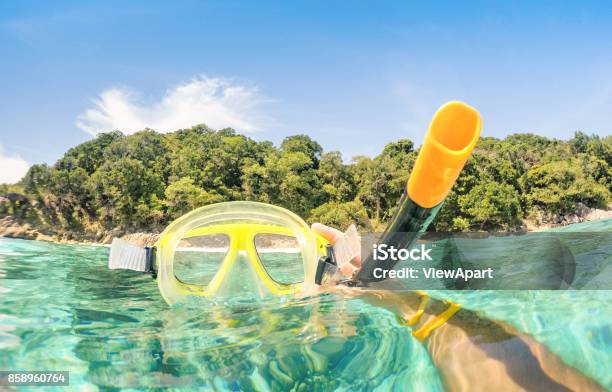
{"x": 124, "y": 255}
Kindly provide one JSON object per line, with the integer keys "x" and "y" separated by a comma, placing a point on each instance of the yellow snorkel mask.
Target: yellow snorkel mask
{"x": 195, "y": 254}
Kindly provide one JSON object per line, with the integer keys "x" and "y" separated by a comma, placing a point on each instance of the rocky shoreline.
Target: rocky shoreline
{"x": 582, "y": 214}
{"x": 11, "y": 228}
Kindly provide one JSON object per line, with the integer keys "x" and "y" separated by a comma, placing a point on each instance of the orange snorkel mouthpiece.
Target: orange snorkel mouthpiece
{"x": 453, "y": 134}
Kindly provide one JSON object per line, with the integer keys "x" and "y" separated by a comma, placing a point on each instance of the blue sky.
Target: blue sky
{"x": 353, "y": 75}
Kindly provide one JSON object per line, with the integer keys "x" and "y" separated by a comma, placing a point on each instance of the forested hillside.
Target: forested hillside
{"x": 119, "y": 184}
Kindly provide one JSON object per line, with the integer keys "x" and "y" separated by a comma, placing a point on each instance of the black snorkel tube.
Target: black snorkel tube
{"x": 450, "y": 140}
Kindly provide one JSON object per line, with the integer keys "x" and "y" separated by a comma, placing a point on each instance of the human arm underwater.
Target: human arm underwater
{"x": 472, "y": 353}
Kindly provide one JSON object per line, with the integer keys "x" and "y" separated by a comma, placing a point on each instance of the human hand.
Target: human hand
{"x": 333, "y": 235}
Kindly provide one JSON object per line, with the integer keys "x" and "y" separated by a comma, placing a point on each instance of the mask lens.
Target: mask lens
{"x": 197, "y": 259}
{"x": 281, "y": 257}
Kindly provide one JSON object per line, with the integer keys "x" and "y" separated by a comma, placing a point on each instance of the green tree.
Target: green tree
{"x": 341, "y": 215}
{"x": 305, "y": 145}
{"x": 37, "y": 179}
{"x": 89, "y": 155}
{"x": 579, "y": 142}
{"x": 120, "y": 187}
{"x": 183, "y": 196}
{"x": 382, "y": 181}
{"x": 288, "y": 177}
{"x": 338, "y": 182}
{"x": 490, "y": 206}
{"x": 557, "y": 187}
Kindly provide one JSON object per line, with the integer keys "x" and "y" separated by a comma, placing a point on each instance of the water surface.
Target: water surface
{"x": 62, "y": 309}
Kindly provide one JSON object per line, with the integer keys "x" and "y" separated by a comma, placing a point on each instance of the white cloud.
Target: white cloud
{"x": 216, "y": 102}
{"x": 12, "y": 168}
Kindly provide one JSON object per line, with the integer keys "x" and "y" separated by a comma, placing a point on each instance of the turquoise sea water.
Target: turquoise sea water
{"x": 62, "y": 309}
